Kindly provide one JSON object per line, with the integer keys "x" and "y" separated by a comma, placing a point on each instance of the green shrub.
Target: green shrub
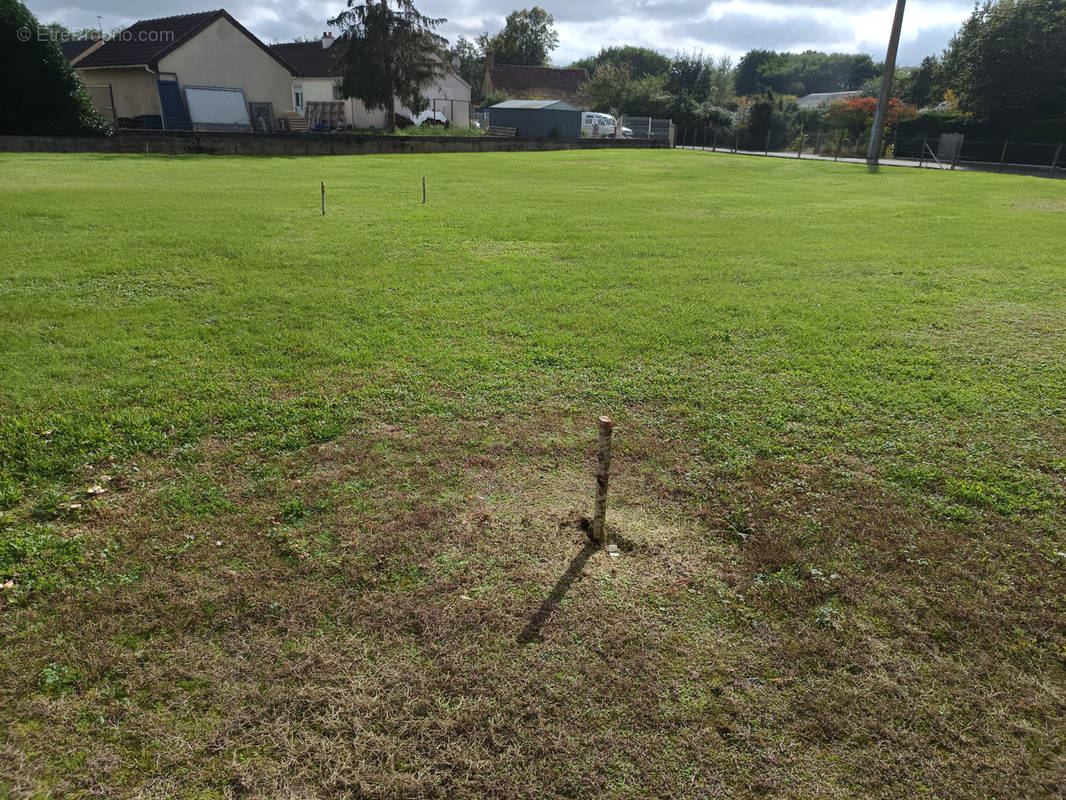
{"x": 42, "y": 95}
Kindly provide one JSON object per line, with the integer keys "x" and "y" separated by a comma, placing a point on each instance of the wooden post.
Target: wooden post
{"x": 603, "y": 474}
{"x": 423, "y": 188}
{"x": 1054, "y": 161}
{"x": 323, "y": 198}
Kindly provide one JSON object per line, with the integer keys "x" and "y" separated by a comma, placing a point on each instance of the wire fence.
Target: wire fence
{"x": 943, "y": 151}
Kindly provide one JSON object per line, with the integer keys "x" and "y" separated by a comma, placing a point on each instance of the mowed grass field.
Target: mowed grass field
{"x": 292, "y": 504}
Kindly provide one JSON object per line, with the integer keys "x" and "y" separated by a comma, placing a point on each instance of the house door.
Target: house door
{"x": 175, "y": 117}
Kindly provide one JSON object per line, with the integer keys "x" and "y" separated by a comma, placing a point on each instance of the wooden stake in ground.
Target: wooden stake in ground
{"x": 603, "y": 473}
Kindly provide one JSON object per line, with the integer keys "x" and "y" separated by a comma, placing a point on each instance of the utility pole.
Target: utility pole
{"x": 873, "y": 151}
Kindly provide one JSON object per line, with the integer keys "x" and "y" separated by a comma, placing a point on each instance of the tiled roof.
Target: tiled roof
{"x": 148, "y": 40}
{"x": 72, "y": 50}
{"x": 311, "y": 59}
{"x": 548, "y": 82}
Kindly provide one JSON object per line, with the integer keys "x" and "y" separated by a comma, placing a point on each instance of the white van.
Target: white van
{"x": 598, "y": 126}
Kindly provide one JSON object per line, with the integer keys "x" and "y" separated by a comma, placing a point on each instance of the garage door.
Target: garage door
{"x": 215, "y": 108}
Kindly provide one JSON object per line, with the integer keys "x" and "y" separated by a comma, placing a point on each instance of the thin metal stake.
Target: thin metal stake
{"x": 323, "y": 198}
{"x": 423, "y": 188}
{"x": 1054, "y": 161}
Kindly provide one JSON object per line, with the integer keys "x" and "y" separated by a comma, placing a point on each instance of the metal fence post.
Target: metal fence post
{"x": 766, "y": 150}
{"x": 799, "y": 152}
{"x": 1003, "y": 155}
{"x": 1054, "y": 161}
{"x": 958, "y": 151}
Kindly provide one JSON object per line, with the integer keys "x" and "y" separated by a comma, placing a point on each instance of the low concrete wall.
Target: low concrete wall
{"x": 298, "y": 144}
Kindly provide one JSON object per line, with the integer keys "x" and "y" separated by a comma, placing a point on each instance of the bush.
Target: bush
{"x": 42, "y": 95}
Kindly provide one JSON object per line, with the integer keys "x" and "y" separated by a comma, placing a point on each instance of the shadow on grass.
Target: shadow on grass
{"x": 531, "y": 633}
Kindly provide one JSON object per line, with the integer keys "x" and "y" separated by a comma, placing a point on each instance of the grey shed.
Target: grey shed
{"x": 545, "y": 118}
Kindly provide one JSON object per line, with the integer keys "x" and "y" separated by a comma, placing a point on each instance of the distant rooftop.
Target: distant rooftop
{"x": 311, "y": 59}
{"x": 558, "y": 105}
{"x": 518, "y": 81}
{"x": 819, "y": 99}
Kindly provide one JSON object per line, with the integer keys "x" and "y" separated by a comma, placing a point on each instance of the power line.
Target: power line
{"x": 792, "y": 25}
{"x": 849, "y": 13}
{"x": 818, "y": 22}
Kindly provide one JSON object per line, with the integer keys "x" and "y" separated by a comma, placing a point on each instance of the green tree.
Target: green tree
{"x": 527, "y": 38}
{"x": 610, "y": 88}
{"x": 917, "y": 89}
{"x": 641, "y": 61}
{"x": 1007, "y": 63}
{"x": 41, "y": 93}
{"x": 392, "y": 54}
{"x": 470, "y": 60}
{"x": 748, "y": 80}
{"x": 802, "y": 73}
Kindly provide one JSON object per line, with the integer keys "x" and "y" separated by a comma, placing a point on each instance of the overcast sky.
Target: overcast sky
{"x": 715, "y": 28}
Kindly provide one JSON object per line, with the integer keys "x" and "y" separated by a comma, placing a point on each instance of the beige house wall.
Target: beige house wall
{"x": 134, "y": 88}
{"x": 441, "y": 94}
{"x": 220, "y": 55}
{"x": 451, "y": 95}
{"x": 355, "y": 113}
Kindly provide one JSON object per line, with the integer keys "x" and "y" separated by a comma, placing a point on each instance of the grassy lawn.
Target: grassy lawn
{"x": 291, "y": 505}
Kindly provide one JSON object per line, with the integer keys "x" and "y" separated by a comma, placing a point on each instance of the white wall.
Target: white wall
{"x": 448, "y": 88}
{"x": 221, "y": 55}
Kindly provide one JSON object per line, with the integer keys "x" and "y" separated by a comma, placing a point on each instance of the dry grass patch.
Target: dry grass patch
{"x": 415, "y": 611}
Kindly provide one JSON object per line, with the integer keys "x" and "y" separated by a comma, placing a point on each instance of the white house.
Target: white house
{"x": 318, "y": 81}
{"x": 201, "y": 71}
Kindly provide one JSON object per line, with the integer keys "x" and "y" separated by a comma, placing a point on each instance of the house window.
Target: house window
{"x": 337, "y": 92}
{"x": 298, "y": 97}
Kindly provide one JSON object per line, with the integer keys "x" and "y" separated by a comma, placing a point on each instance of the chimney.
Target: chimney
{"x": 327, "y": 39}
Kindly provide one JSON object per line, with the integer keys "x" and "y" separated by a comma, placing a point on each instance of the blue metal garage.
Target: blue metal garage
{"x": 554, "y": 119}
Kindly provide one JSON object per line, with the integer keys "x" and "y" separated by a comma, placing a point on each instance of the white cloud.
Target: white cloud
{"x": 717, "y": 28}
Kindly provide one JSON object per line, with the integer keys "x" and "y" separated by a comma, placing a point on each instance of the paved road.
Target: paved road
{"x": 1060, "y": 172}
